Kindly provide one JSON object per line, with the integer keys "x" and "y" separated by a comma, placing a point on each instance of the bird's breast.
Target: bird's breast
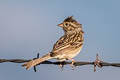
{"x": 71, "y": 53}
{"x": 75, "y": 52}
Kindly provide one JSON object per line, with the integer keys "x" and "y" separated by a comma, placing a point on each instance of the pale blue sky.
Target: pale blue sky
{"x": 30, "y": 26}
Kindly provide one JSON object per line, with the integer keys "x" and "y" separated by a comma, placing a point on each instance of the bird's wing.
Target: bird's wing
{"x": 62, "y": 43}
{"x": 67, "y": 41}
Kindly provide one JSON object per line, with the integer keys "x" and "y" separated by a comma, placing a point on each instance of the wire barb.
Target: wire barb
{"x": 36, "y": 65}
{"x": 97, "y": 63}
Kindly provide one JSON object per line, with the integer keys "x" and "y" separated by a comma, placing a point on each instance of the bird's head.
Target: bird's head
{"x": 70, "y": 24}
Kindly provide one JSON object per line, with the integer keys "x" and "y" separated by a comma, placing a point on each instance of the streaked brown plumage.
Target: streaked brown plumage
{"x": 67, "y": 47}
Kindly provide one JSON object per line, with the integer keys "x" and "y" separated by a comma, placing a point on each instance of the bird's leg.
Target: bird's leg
{"x": 61, "y": 65}
{"x": 72, "y": 64}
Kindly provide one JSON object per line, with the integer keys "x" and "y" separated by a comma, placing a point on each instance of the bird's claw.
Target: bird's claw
{"x": 72, "y": 64}
{"x": 61, "y": 65}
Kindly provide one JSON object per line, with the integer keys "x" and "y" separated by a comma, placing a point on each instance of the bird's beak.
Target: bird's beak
{"x": 60, "y": 25}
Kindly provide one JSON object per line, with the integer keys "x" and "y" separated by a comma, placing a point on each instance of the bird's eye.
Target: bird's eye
{"x": 66, "y": 24}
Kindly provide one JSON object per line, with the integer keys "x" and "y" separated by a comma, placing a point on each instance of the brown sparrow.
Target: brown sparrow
{"x": 67, "y": 47}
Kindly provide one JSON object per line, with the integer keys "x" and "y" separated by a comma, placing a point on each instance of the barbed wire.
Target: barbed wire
{"x": 97, "y": 62}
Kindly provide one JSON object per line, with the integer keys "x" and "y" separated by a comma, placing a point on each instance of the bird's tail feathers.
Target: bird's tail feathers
{"x": 34, "y": 62}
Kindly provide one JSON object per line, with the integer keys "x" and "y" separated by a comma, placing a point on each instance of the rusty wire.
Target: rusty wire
{"x": 97, "y": 62}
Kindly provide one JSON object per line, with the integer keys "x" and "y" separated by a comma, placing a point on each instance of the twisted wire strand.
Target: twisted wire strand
{"x": 78, "y": 63}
